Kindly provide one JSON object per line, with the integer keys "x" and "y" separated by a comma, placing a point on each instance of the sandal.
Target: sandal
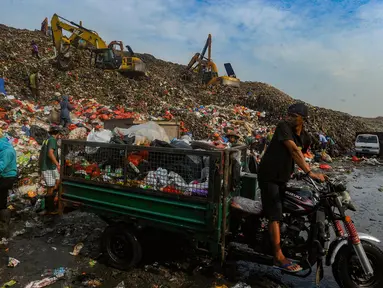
{"x": 286, "y": 267}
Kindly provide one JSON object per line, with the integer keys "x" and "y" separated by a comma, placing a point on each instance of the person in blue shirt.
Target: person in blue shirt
{"x": 8, "y": 176}
{"x": 323, "y": 140}
{"x": 66, "y": 107}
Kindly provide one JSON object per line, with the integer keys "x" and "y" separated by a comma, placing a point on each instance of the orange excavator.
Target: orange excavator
{"x": 207, "y": 69}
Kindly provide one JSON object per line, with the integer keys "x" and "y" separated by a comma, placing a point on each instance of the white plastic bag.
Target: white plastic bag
{"x": 177, "y": 180}
{"x": 102, "y": 136}
{"x": 150, "y": 130}
{"x": 162, "y": 176}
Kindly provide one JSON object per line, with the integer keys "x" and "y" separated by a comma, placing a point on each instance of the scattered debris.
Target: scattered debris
{"x": 77, "y": 249}
{"x": 42, "y": 283}
{"x": 4, "y": 241}
{"x": 121, "y": 285}
{"x": 13, "y": 262}
{"x": 92, "y": 263}
{"x": 9, "y": 284}
{"x": 241, "y": 285}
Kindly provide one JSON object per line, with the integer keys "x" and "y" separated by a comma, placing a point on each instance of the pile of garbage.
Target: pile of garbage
{"x": 162, "y": 93}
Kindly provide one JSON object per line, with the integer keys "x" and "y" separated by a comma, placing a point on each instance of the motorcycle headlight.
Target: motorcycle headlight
{"x": 346, "y": 200}
{"x": 345, "y": 197}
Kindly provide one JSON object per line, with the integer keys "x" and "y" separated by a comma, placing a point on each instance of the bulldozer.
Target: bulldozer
{"x": 103, "y": 56}
{"x": 207, "y": 69}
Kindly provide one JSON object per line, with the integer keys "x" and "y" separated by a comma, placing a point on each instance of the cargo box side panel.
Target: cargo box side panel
{"x": 154, "y": 209}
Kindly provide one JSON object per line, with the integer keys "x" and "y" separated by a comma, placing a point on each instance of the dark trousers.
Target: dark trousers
{"x": 36, "y": 54}
{"x": 35, "y": 93}
{"x": 5, "y": 185}
{"x": 65, "y": 122}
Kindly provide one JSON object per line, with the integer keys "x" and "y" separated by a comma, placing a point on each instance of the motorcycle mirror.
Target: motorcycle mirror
{"x": 351, "y": 207}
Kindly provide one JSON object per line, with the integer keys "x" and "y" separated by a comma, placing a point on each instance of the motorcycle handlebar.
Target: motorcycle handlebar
{"x": 301, "y": 176}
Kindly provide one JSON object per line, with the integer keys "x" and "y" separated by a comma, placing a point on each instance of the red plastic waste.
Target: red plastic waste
{"x": 324, "y": 166}
{"x": 356, "y": 159}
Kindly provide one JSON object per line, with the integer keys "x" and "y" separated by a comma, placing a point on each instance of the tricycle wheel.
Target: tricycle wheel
{"x": 230, "y": 270}
{"x": 348, "y": 272}
{"x": 121, "y": 247}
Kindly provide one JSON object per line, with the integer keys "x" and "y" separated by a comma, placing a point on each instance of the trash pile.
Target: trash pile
{"x": 161, "y": 94}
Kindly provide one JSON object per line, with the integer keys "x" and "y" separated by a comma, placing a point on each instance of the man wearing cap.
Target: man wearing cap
{"x": 275, "y": 170}
{"x": 49, "y": 166}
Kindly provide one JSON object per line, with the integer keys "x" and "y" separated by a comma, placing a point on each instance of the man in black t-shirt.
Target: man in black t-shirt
{"x": 275, "y": 170}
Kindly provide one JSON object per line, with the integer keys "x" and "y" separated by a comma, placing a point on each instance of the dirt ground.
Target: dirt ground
{"x": 43, "y": 244}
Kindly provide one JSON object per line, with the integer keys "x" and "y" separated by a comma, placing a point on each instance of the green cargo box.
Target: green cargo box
{"x": 126, "y": 183}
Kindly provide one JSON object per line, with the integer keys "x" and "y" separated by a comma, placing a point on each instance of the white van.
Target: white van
{"x": 367, "y": 144}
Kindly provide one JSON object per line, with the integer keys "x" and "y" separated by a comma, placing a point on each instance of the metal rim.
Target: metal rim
{"x": 119, "y": 248}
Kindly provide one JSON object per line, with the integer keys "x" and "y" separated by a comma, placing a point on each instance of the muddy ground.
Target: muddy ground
{"x": 46, "y": 243}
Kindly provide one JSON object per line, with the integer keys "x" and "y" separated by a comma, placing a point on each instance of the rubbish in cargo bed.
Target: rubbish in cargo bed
{"x": 150, "y": 168}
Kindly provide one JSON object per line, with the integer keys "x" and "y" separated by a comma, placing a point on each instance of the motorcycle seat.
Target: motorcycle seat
{"x": 246, "y": 205}
{"x": 293, "y": 188}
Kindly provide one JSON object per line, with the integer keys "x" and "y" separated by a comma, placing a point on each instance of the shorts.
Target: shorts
{"x": 50, "y": 177}
{"x": 272, "y": 196}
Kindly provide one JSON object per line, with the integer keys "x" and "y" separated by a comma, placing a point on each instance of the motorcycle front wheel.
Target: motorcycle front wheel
{"x": 348, "y": 271}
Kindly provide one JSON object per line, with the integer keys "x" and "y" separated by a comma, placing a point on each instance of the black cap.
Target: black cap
{"x": 55, "y": 129}
{"x": 299, "y": 109}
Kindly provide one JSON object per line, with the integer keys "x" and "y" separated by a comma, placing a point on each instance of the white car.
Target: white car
{"x": 367, "y": 144}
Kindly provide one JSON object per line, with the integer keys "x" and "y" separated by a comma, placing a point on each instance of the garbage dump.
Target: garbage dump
{"x": 161, "y": 93}
{"x": 207, "y": 117}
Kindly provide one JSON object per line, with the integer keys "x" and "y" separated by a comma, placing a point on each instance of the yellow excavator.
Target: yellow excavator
{"x": 207, "y": 69}
{"x": 103, "y": 56}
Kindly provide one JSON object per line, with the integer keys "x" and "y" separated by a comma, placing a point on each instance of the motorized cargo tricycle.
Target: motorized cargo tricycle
{"x": 207, "y": 197}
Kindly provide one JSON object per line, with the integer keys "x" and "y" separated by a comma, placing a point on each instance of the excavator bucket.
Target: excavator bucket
{"x": 132, "y": 67}
{"x": 230, "y": 81}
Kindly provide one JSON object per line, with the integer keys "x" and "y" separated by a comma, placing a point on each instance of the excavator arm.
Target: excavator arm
{"x": 208, "y": 69}
{"x": 106, "y": 56}
{"x": 77, "y": 31}
{"x": 195, "y": 59}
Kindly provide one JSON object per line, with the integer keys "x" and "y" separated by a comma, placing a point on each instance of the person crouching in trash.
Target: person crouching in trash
{"x": 50, "y": 168}
{"x": 8, "y": 176}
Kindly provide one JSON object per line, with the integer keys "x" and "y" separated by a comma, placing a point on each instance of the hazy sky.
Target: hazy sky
{"x": 327, "y": 53}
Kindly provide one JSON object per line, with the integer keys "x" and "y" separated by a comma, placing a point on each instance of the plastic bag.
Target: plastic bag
{"x": 103, "y": 136}
{"x": 151, "y": 178}
{"x": 326, "y": 157}
{"x": 162, "y": 176}
{"x": 246, "y": 205}
{"x": 54, "y": 116}
{"x": 42, "y": 283}
{"x": 176, "y": 180}
{"x": 150, "y": 130}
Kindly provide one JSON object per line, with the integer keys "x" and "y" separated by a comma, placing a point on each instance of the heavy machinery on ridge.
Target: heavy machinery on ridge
{"x": 103, "y": 56}
{"x": 208, "y": 70}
